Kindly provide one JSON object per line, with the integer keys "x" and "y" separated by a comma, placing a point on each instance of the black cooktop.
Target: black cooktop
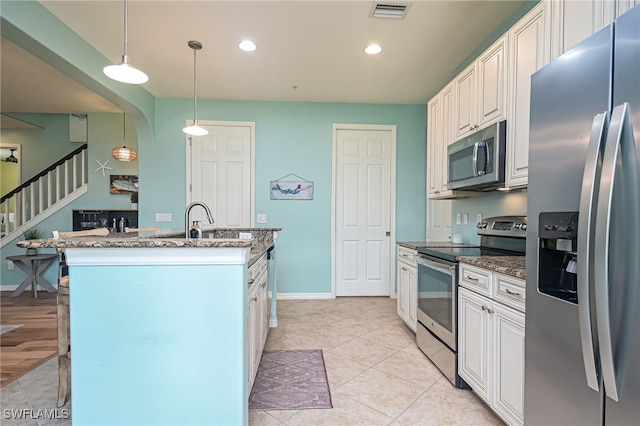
{"x": 450, "y": 253}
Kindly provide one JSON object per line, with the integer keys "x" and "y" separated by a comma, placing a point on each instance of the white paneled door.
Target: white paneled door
{"x": 222, "y": 175}
{"x": 362, "y": 211}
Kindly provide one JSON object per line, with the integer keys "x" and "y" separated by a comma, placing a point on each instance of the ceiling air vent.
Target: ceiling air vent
{"x": 389, "y": 10}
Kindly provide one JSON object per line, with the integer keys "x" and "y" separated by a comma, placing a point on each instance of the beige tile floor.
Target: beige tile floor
{"x": 377, "y": 375}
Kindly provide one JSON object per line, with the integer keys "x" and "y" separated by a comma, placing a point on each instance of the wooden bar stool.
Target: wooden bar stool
{"x": 64, "y": 346}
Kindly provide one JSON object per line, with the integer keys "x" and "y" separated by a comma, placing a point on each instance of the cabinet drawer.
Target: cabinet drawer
{"x": 509, "y": 290}
{"x": 476, "y": 279}
{"x": 408, "y": 256}
{"x": 263, "y": 264}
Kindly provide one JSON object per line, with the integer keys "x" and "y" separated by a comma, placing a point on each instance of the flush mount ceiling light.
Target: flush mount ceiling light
{"x": 194, "y": 129}
{"x": 123, "y": 72}
{"x": 372, "y": 49}
{"x": 124, "y": 153}
{"x": 247, "y": 45}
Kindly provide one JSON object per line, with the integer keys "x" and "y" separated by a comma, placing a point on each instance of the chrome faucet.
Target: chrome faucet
{"x": 188, "y": 211}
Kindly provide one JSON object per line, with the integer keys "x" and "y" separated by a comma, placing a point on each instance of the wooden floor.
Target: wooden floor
{"x": 26, "y": 347}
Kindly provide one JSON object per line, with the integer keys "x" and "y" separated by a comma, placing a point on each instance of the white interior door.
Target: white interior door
{"x": 362, "y": 212}
{"x": 438, "y": 220}
{"x": 221, "y": 169}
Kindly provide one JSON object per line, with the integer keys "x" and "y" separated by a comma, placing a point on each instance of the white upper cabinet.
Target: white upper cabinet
{"x": 528, "y": 52}
{"x": 480, "y": 93}
{"x": 464, "y": 108}
{"x": 439, "y": 129}
{"x": 492, "y": 83}
{"x": 573, "y": 21}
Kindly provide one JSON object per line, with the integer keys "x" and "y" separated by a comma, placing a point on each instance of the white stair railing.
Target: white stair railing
{"x": 44, "y": 194}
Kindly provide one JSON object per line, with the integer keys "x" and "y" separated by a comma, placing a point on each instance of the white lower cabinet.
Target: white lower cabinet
{"x": 491, "y": 349}
{"x": 407, "y": 283}
{"x": 257, "y": 316}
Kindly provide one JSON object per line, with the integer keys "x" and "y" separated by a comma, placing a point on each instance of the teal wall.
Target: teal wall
{"x": 290, "y": 138}
{"x": 40, "y": 145}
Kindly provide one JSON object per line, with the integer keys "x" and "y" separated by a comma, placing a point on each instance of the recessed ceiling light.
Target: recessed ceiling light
{"x": 372, "y": 49}
{"x": 247, "y": 46}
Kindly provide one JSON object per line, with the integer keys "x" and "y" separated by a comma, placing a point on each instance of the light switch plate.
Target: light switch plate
{"x": 10, "y": 265}
{"x": 262, "y": 218}
{"x": 163, "y": 217}
{"x": 245, "y": 235}
{"x": 458, "y": 219}
{"x": 479, "y": 218}
{"x": 465, "y": 218}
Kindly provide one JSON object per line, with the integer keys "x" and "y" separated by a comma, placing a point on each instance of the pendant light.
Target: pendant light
{"x": 124, "y": 153}
{"x": 11, "y": 158}
{"x": 194, "y": 129}
{"x": 124, "y": 72}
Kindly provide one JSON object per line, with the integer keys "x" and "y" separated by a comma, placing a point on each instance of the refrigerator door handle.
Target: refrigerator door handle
{"x": 620, "y": 131}
{"x": 586, "y": 220}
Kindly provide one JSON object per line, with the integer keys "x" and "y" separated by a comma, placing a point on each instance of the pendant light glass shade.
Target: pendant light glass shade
{"x": 124, "y": 154}
{"x": 194, "y": 129}
{"x": 123, "y": 72}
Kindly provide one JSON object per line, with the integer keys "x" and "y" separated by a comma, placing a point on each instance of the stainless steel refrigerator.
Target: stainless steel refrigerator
{"x": 582, "y": 347}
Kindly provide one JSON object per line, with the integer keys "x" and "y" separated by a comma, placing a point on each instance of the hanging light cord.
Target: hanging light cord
{"x": 195, "y": 77}
{"x": 126, "y": 31}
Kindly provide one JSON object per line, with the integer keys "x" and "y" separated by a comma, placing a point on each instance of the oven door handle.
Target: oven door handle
{"x": 445, "y": 267}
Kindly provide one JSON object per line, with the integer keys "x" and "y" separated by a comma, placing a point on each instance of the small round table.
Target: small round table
{"x": 33, "y": 266}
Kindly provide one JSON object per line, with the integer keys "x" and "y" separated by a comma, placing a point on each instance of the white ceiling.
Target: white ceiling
{"x": 316, "y": 46}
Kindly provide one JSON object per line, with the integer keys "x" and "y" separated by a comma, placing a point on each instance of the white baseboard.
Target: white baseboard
{"x": 292, "y": 296}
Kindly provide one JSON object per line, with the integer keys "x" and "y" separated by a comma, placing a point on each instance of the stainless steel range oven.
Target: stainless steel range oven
{"x": 438, "y": 287}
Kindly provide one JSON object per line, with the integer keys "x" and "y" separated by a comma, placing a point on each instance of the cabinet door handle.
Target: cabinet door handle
{"x": 490, "y": 311}
{"x": 251, "y": 280}
{"x": 472, "y": 279}
{"x": 254, "y": 298}
{"x": 263, "y": 285}
{"x": 404, "y": 269}
{"x": 514, "y": 293}
{"x": 484, "y": 308}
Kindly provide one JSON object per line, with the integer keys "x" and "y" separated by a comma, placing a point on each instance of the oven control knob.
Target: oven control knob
{"x": 523, "y": 226}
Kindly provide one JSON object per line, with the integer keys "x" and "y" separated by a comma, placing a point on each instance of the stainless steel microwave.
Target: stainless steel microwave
{"x": 477, "y": 161}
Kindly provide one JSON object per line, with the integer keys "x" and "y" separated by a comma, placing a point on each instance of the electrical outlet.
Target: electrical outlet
{"x": 10, "y": 265}
{"x": 163, "y": 217}
{"x": 262, "y": 218}
{"x": 465, "y": 218}
{"x": 458, "y": 219}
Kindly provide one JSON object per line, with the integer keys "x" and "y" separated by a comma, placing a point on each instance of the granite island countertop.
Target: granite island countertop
{"x": 508, "y": 265}
{"x": 163, "y": 239}
{"x": 414, "y": 245}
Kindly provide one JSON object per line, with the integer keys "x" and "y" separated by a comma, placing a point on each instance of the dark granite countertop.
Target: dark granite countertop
{"x": 414, "y": 245}
{"x": 508, "y": 265}
{"x": 223, "y": 238}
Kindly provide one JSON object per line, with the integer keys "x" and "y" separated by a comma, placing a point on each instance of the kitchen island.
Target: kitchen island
{"x": 159, "y": 326}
